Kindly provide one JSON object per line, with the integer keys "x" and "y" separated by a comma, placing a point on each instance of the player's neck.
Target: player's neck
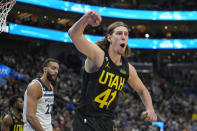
{"x": 46, "y": 82}
{"x": 116, "y": 58}
{"x": 16, "y": 113}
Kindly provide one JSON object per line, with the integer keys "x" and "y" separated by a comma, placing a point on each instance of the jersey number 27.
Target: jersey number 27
{"x": 49, "y": 108}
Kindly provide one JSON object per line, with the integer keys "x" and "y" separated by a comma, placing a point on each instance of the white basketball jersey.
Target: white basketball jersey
{"x": 44, "y": 108}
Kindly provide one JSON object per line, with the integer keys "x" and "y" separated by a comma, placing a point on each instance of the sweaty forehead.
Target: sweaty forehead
{"x": 51, "y": 63}
{"x": 121, "y": 28}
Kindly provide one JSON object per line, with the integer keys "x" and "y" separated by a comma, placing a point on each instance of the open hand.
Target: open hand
{"x": 150, "y": 116}
{"x": 93, "y": 18}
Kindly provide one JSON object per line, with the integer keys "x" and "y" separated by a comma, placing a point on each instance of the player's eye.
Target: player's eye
{"x": 53, "y": 67}
{"x": 119, "y": 33}
{"x": 126, "y": 34}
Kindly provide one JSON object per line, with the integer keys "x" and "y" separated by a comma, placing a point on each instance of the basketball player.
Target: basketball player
{"x": 39, "y": 99}
{"x": 105, "y": 73}
{"x": 14, "y": 120}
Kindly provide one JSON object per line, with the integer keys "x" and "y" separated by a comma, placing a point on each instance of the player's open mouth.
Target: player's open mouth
{"x": 122, "y": 45}
{"x": 54, "y": 76}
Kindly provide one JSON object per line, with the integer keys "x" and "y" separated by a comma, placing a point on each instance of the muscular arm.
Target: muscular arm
{"x": 92, "y": 51}
{"x": 135, "y": 82}
{"x": 34, "y": 92}
{"x": 7, "y": 122}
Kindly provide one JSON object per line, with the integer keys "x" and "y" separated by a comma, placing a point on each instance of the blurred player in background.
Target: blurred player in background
{"x": 105, "y": 72}
{"x": 39, "y": 98}
{"x": 14, "y": 120}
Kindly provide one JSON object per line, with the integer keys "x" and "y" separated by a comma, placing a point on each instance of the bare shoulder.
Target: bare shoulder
{"x": 92, "y": 65}
{"x": 133, "y": 76}
{"x": 34, "y": 89}
{"x": 7, "y": 120}
{"x": 134, "y": 80}
{"x": 99, "y": 57}
{"x": 131, "y": 68}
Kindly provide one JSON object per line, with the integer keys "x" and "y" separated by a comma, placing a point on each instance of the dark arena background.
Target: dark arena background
{"x": 162, "y": 38}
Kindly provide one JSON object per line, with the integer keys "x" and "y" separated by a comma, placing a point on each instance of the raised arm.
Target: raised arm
{"x": 34, "y": 92}
{"x": 6, "y": 124}
{"x": 135, "y": 82}
{"x": 92, "y": 51}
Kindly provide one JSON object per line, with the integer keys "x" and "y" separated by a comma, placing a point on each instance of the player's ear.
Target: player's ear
{"x": 45, "y": 69}
{"x": 109, "y": 38}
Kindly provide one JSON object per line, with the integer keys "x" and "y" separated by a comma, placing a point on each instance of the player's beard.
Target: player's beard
{"x": 49, "y": 77}
{"x": 20, "y": 109}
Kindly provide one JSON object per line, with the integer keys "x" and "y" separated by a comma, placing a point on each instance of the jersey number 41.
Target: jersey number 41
{"x": 102, "y": 98}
